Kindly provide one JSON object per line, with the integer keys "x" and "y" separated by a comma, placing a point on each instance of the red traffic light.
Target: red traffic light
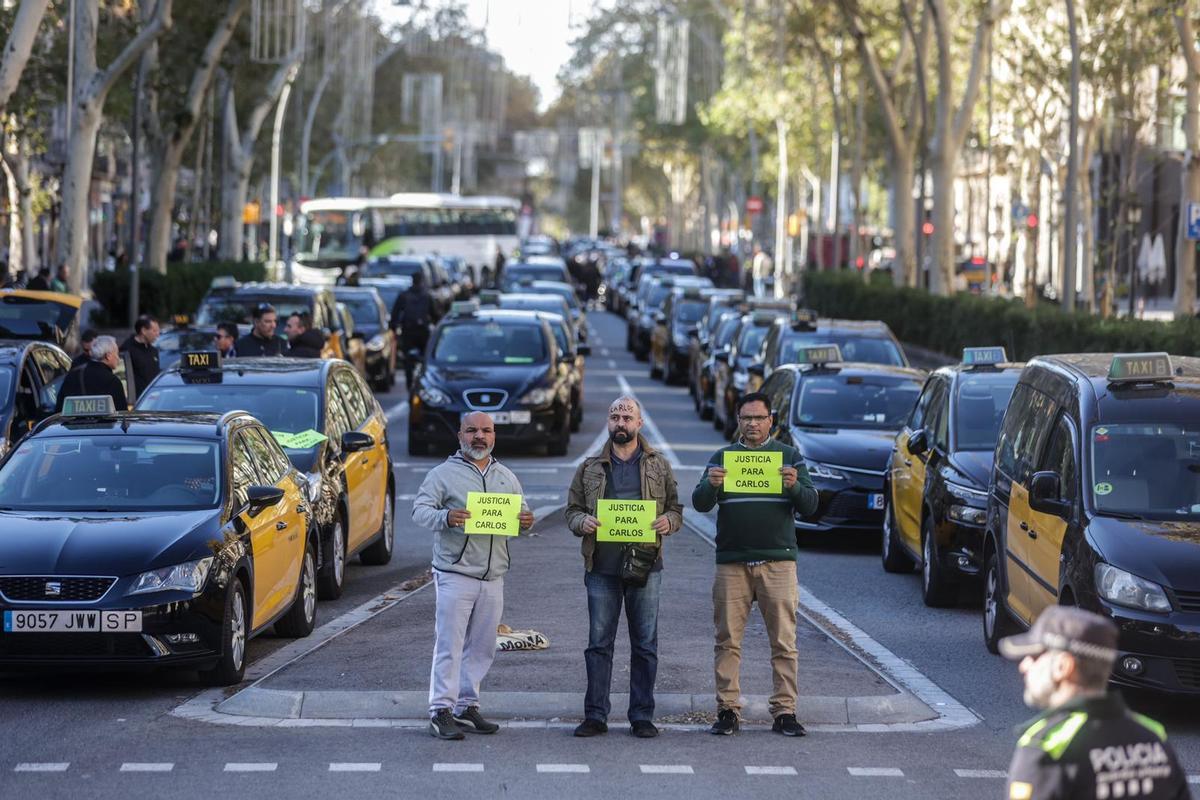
{"x": 1031, "y": 220}
{"x": 927, "y": 229}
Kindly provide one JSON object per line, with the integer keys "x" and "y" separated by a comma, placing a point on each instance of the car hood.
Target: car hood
{"x": 862, "y": 449}
{"x": 1167, "y": 553}
{"x": 118, "y": 544}
{"x": 974, "y": 467}
{"x": 512, "y": 378}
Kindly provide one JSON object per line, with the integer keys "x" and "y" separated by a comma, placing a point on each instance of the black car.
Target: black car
{"x": 720, "y": 341}
{"x": 235, "y": 302}
{"x": 437, "y": 282}
{"x": 371, "y": 318}
{"x": 507, "y": 364}
{"x": 842, "y": 417}
{"x": 720, "y": 302}
{"x": 174, "y": 341}
{"x": 676, "y": 328}
{"x": 572, "y": 353}
{"x": 1095, "y": 503}
{"x": 330, "y": 426}
{"x": 643, "y": 314}
{"x": 545, "y": 302}
{"x": 31, "y": 373}
{"x": 147, "y": 539}
{"x": 731, "y": 368}
{"x": 868, "y": 342}
{"x": 936, "y": 491}
{"x": 542, "y": 268}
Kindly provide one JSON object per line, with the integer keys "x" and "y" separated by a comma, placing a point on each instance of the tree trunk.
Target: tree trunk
{"x": 905, "y": 222}
{"x": 1189, "y": 189}
{"x": 22, "y": 253}
{"x": 20, "y": 44}
{"x": 1087, "y": 244}
{"x": 942, "y": 170}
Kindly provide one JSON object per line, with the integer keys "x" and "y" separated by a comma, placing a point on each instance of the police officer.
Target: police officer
{"x": 1086, "y": 744}
{"x": 412, "y": 314}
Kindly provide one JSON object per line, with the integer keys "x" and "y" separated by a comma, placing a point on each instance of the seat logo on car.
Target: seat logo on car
{"x": 53, "y": 589}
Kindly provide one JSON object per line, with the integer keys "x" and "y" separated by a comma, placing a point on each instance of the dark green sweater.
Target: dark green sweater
{"x": 757, "y": 527}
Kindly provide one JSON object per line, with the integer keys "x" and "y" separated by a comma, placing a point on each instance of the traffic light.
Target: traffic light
{"x": 1031, "y": 221}
{"x": 927, "y": 228}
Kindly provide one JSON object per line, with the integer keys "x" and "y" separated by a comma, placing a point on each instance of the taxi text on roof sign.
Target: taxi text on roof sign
{"x": 88, "y": 406}
{"x": 818, "y": 354}
{"x": 1140, "y": 368}
{"x": 201, "y": 359}
{"x": 981, "y": 356}
{"x": 464, "y": 308}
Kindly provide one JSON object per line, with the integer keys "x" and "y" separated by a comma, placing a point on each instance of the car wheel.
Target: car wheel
{"x": 895, "y": 559}
{"x": 937, "y": 589}
{"x": 301, "y": 617}
{"x": 234, "y": 630}
{"x": 655, "y": 371}
{"x": 730, "y": 426}
{"x": 558, "y": 445}
{"x": 576, "y": 414}
{"x": 331, "y": 580}
{"x": 380, "y": 551}
{"x": 997, "y": 623}
{"x": 416, "y": 448}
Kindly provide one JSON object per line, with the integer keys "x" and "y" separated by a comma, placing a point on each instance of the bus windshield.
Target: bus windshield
{"x": 328, "y": 234}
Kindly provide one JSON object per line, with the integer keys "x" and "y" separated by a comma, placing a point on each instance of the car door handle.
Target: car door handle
{"x": 1025, "y": 526}
{"x": 908, "y": 462}
{"x": 365, "y": 460}
{"x": 301, "y": 509}
{"x": 281, "y": 526}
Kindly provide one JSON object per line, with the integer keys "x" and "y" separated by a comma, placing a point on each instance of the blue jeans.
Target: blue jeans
{"x": 605, "y": 596}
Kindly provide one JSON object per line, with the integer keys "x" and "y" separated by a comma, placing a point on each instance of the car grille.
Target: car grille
{"x": 1188, "y": 601}
{"x": 1188, "y": 672}
{"x": 66, "y": 645}
{"x": 32, "y": 588}
{"x": 851, "y": 505}
{"x": 485, "y": 399}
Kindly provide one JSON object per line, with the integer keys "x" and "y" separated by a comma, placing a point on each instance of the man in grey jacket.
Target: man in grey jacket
{"x": 468, "y": 574}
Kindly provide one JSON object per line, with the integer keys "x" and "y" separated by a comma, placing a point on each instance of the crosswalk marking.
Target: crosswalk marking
{"x": 38, "y": 766}
{"x": 875, "y": 772}
{"x": 980, "y": 773}
{"x": 560, "y": 768}
{"x": 251, "y": 766}
{"x": 457, "y": 767}
{"x": 349, "y": 766}
{"x": 666, "y": 769}
{"x": 770, "y": 770}
{"x": 147, "y": 766}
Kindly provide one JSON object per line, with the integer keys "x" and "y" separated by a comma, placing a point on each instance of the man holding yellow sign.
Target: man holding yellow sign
{"x": 621, "y": 503}
{"x": 474, "y": 504}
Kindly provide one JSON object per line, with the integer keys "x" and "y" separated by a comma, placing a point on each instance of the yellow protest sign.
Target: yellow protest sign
{"x": 753, "y": 472}
{"x": 493, "y": 514}
{"x": 626, "y": 520}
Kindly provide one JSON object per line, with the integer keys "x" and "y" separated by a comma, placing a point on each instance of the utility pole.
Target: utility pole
{"x": 134, "y": 192}
{"x": 276, "y": 135}
{"x": 1069, "y": 221}
{"x": 987, "y": 183}
{"x": 594, "y": 220}
{"x": 835, "y": 159}
{"x": 781, "y": 205}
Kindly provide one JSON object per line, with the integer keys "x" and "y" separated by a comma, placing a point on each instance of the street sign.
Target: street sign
{"x": 1193, "y": 227}
{"x": 754, "y": 205}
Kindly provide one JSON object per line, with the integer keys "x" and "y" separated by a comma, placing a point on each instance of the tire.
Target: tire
{"x": 938, "y": 590}
{"x": 895, "y": 559}
{"x": 416, "y": 448}
{"x": 628, "y": 339}
{"x": 558, "y": 445}
{"x": 670, "y": 374}
{"x": 301, "y": 616}
{"x": 997, "y": 623}
{"x": 379, "y": 552}
{"x": 576, "y": 414}
{"x": 234, "y": 631}
{"x": 706, "y": 411}
{"x": 730, "y": 427}
{"x": 331, "y": 580}
{"x": 655, "y": 372}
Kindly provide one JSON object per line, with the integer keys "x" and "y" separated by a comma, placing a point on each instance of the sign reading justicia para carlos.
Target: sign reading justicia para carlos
{"x": 753, "y": 472}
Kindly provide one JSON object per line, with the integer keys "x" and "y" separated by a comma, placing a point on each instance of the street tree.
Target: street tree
{"x": 21, "y": 38}
{"x": 1186, "y": 12}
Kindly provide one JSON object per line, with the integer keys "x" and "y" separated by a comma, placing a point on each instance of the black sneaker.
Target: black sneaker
{"x": 591, "y": 727}
{"x": 726, "y": 724}
{"x": 643, "y": 729}
{"x": 443, "y": 726}
{"x": 472, "y": 721}
{"x": 788, "y": 725}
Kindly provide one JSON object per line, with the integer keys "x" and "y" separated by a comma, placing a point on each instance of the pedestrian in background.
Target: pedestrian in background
{"x": 95, "y": 376}
{"x": 143, "y": 354}
{"x": 627, "y": 468}
{"x": 468, "y": 574}
{"x": 226, "y": 338}
{"x": 303, "y": 340}
{"x": 39, "y": 282}
{"x": 1086, "y": 743}
{"x": 756, "y": 560}
{"x": 62, "y": 281}
{"x": 412, "y": 314}
{"x": 261, "y": 340}
{"x": 85, "y": 348}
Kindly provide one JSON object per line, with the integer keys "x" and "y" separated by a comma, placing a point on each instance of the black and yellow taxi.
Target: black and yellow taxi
{"x": 731, "y": 370}
{"x": 141, "y": 539}
{"x": 31, "y": 373}
{"x": 371, "y": 327}
{"x": 645, "y": 312}
{"x": 721, "y": 340}
{"x": 230, "y": 301}
{"x": 34, "y": 315}
{"x": 720, "y": 303}
{"x": 330, "y": 426}
{"x": 504, "y": 362}
{"x": 865, "y": 341}
{"x": 676, "y": 327}
{"x": 936, "y": 488}
{"x": 572, "y": 361}
{"x": 842, "y": 416}
{"x": 1095, "y": 502}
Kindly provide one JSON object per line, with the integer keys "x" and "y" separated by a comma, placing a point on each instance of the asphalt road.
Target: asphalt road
{"x": 109, "y": 736}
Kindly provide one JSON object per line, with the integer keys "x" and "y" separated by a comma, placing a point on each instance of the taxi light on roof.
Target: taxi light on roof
{"x": 804, "y": 319}
{"x": 99, "y": 405}
{"x": 818, "y": 354}
{"x": 489, "y": 297}
{"x": 763, "y": 318}
{"x": 464, "y": 308}
{"x": 223, "y": 282}
{"x": 1140, "y": 368}
{"x": 983, "y": 356}
{"x": 199, "y": 360}
{"x": 182, "y": 320}
{"x": 693, "y": 293}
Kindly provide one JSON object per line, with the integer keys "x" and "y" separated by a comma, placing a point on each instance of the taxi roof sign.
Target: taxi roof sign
{"x": 92, "y": 405}
{"x": 223, "y": 282}
{"x": 1140, "y": 368}
{"x": 818, "y": 354}
{"x": 488, "y": 297}
{"x": 199, "y": 360}
{"x": 804, "y": 319}
{"x": 464, "y": 308}
{"x": 983, "y": 356}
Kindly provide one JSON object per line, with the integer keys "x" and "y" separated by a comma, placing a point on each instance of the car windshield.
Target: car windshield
{"x": 111, "y": 473}
{"x": 391, "y": 267}
{"x": 561, "y": 337}
{"x": 726, "y": 332}
{"x": 689, "y": 312}
{"x": 550, "y": 303}
{"x": 27, "y": 318}
{"x": 282, "y": 409}
{"x": 5, "y": 386}
{"x": 864, "y": 349}
{"x": 979, "y": 408}
{"x": 750, "y": 340}
{"x": 239, "y": 309}
{"x": 656, "y": 296}
{"x": 362, "y": 308}
{"x": 489, "y": 343}
{"x": 538, "y": 272}
{"x": 1147, "y": 470}
{"x": 855, "y": 401}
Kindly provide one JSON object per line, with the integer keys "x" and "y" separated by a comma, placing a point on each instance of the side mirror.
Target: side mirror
{"x": 918, "y": 443}
{"x": 260, "y": 498}
{"x": 758, "y": 370}
{"x": 583, "y": 349}
{"x": 354, "y": 441}
{"x": 1045, "y": 488}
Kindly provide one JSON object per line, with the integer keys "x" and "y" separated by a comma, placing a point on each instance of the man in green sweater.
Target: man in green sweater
{"x": 756, "y": 559}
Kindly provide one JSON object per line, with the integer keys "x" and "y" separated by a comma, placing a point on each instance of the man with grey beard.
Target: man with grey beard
{"x": 468, "y": 574}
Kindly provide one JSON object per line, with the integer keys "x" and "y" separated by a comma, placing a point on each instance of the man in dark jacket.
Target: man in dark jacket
{"x": 142, "y": 352}
{"x": 412, "y": 314}
{"x": 96, "y": 376}
{"x": 39, "y": 282}
{"x": 226, "y": 338}
{"x": 303, "y": 341}
{"x": 261, "y": 340}
{"x": 85, "y": 345}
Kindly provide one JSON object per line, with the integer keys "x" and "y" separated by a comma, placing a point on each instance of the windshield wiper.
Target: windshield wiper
{"x": 1121, "y": 515}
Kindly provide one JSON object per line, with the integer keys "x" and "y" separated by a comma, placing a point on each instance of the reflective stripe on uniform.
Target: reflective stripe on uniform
{"x": 1027, "y": 737}
{"x": 1059, "y": 739}
{"x": 1153, "y": 725}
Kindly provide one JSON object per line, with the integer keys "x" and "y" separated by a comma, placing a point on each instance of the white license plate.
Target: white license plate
{"x": 875, "y": 502}
{"x": 511, "y": 417}
{"x": 501, "y": 417}
{"x": 72, "y": 621}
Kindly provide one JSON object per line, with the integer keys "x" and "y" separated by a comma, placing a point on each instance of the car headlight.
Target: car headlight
{"x": 681, "y": 341}
{"x": 824, "y": 471}
{"x": 1125, "y": 589}
{"x": 968, "y": 514}
{"x": 538, "y": 397}
{"x": 739, "y": 380}
{"x": 376, "y": 342}
{"x": 966, "y": 493}
{"x": 433, "y": 397}
{"x": 314, "y": 487}
{"x": 187, "y": 577}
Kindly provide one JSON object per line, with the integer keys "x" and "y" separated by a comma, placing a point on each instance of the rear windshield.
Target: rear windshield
{"x": 240, "y": 309}
{"x": 538, "y": 272}
{"x": 489, "y": 343}
{"x": 388, "y": 267}
{"x": 979, "y": 407}
{"x": 689, "y": 312}
{"x": 852, "y": 401}
{"x": 282, "y": 409}
{"x": 868, "y": 349}
{"x": 27, "y": 318}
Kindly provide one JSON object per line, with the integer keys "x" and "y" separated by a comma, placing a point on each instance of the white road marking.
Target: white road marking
{"x": 770, "y": 770}
{"x": 612, "y": 364}
{"x": 875, "y": 772}
{"x": 355, "y": 766}
{"x": 655, "y": 435}
{"x": 457, "y": 767}
{"x": 147, "y": 766}
{"x": 1193, "y": 778}
{"x": 666, "y": 769}
{"x": 560, "y": 768}
{"x": 981, "y": 773}
{"x": 397, "y": 412}
{"x": 604, "y": 351}
{"x": 251, "y": 766}
{"x": 41, "y": 766}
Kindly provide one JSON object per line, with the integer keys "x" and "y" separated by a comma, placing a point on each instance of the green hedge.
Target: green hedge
{"x": 177, "y": 292}
{"x": 948, "y": 324}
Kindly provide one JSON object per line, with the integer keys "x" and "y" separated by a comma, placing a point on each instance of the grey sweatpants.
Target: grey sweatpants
{"x": 468, "y": 611}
